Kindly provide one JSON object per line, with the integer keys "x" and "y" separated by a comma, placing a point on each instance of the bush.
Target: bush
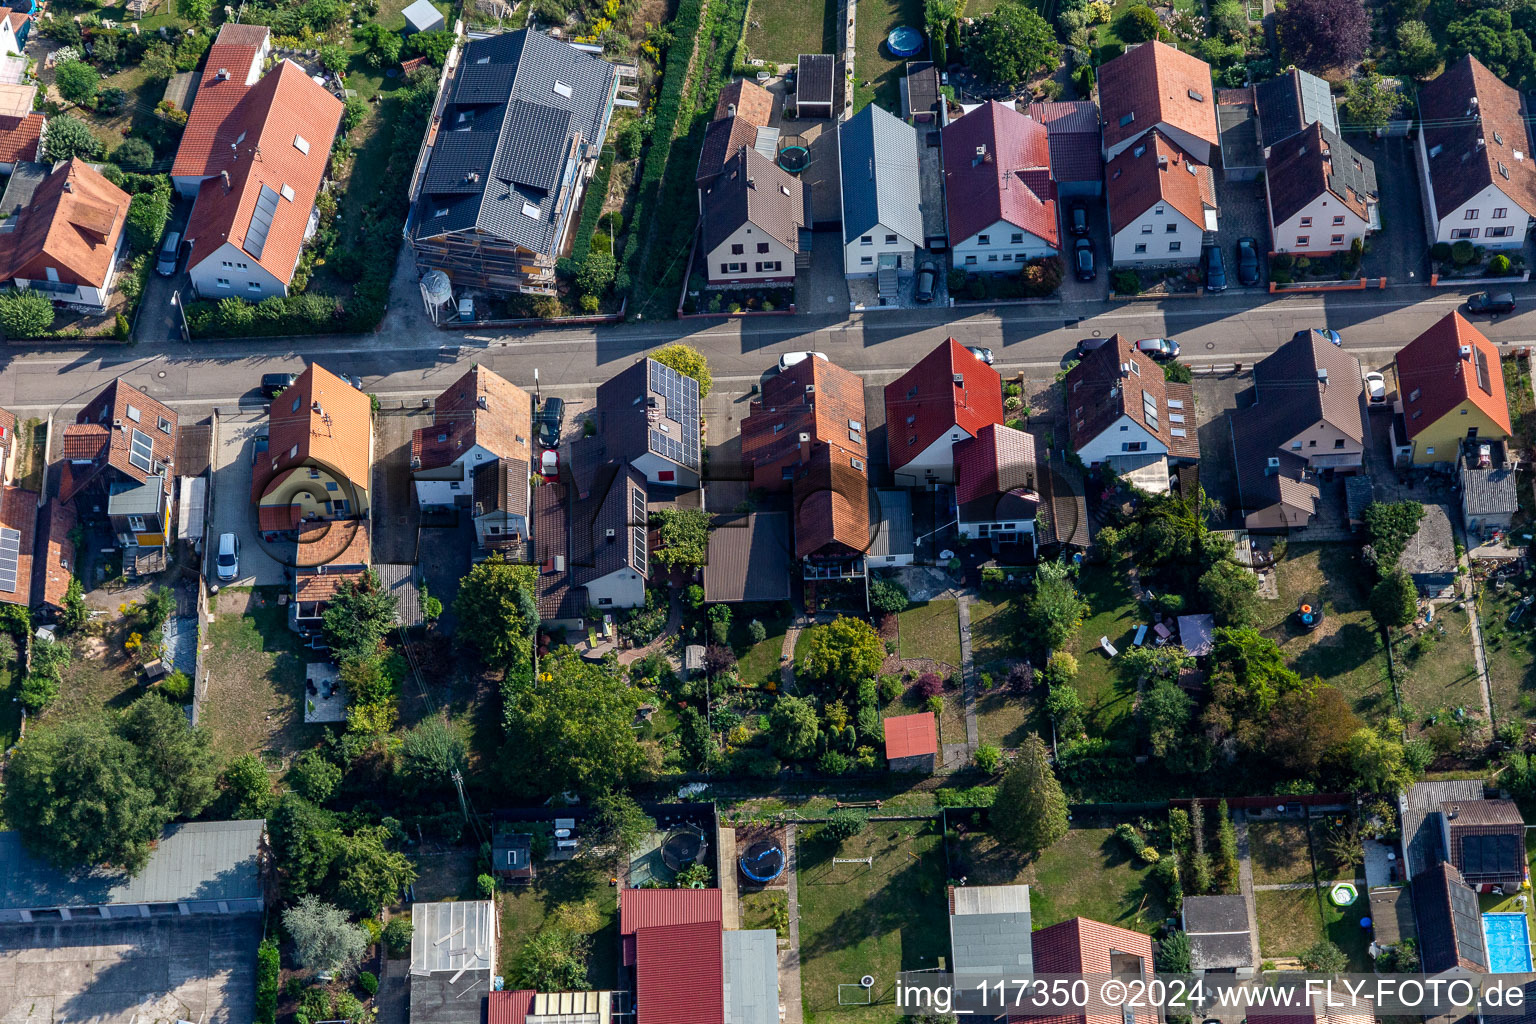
{"x": 1127, "y": 282}
{"x": 1499, "y": 264}
{"x": 176, "y": 688}
{"x": 1462, "y": 252}
{"x": 834, "y": 762}
{"x": 929, "y": 685}
{"x": 134, "y": 155}
{"x": 845, "y": 823}
{"x": 397, "y": 936}
{"x": 148, "y": 213}
{"x": 77, "y": 81}
{"x": 368, "y": 982}
{"x": 1138, "y": 24}
{"x": 25, "y": 314}
{"x": 486, "y": 885}
{"x": 988, "y": 758}
{"x": 1440, "y": 252}
{"x": 887, "y": 596}
{"x": 268, "y": 970}
{"x": 757, "y": 631}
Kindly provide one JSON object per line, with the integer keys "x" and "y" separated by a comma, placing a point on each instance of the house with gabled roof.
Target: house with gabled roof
{"x": 881, "y": 194}
{"x": 1077, "y": 158}
{"x": 1161, "y": 200}
{"x": 1291, "y": 102}
{"x": 911, "y": 742}
{"x": 18, "y": 542}
{"x": 1450, "y": 923}
{"x": 66, "y": 241}
{"x": 830, "y": 501}
{"x": 742, "y": 115}
{"x": 504, "y": 167}
{"x": 948, "y": 396}
{"x": 1486, "y": 840}
{"x": 812, "y": 403}
{"x": 1154, "y": 85}
{"x": 318, "y": 456}
{"x": 255, "y": 151}
{"x": 1081, "y": 946}
{"x": 1123, "y": 413}
{"x": 752, "y": 214}
{"x": 1474, "y": 154}
{"x": 1450, "y": 388}
{"x": 1308, "y": 418}
{"x": 329, "y": 555}
{"x": 998, "y": 188}
{"x": 1322, "y": 193}
{"x": 609, "y": 553}
{"x": 648, "y": 418}
{"x": 53, "y": 563}
{"x": 998, "y": 484}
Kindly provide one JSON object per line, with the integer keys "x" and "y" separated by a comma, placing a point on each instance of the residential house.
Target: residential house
{"x": 1490, "y": 494}
{"x": 912, "y": 742}
{"x": 815, "y": 85}
{"x": 1294, "y": 432}
{"x": 1475, "y": 167}
{"x": 989, "y": 935}
{"x": 66, "y": 240}
{"x": 254, "y": 152}
{"x": 1161, "y": 201}
{"x": 881, "y": 195}
{"x": 453, "y": 961}
{"x": 1322, "y": 193}
{"x": 1429, "y": 556}
{"x": 1080, "y": 946}
{"x": 318, "y": 456}
{"x": 998, "y": 189}
{"x": 1220, "y": 939}
{"x": 1292, "y": 102}
{"x": 948, "y": 396}
{"x": 1450, "y": 924}
{"x": 892, "y": 541}
{"x": 1122, "y": 412}
{"x": 813, "y": 403}
{"x": 18, "y": 542}
{"x": 329, "y": 554}
{"x": 1156, "y": 86}
{"x": 688, "y": 967}
{"x": 1485, "y": 839}
{"x": 477, "y": 455}
{"x": 609, "y": 524}
{"x": 15, "y": 26}
{"x": 742, "y": 115}
{"x": 748, "y": 558}
{"x": 117, "y": 465}
{"x": 1421, "y": 809}
{"x": 21, "y": 127}
{"x": 1076, "y": 144}
{"x": 830, "y": 498}
{"x": 505, "y": 165}
{"x": 753, "y": 213}
{"x": 1450, "y": 387}
{"x": 648, "y": 417}
{"x": 997, "y": 493}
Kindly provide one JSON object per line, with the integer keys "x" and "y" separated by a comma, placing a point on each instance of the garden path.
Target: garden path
{"x": 789, "y": 958}
{"x": 1245, "y": 879}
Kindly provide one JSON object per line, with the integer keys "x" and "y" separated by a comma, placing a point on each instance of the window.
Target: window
{"x": 495, "y": 530}
{"x": 228, "y": 264}
{"x": 605, "y": 600}
{"x": 1464, "y": 232}
{"x": 1175, "y": 246}
{"x": 1157, "y": 211}
{"x": 1430, "y": 450}
{"x": 1500, "y": 213}
{"x": 768, "y": 266}
{"x": 992, "y": 257}
{"x": 737, "y": 250}
{"x": 666, "y": 475}
{"x": 223, "y": 282}
{"x": 1306, "y": 222}
{"x": 1295, "y": 446}
{"x": 1413, "y": 396}
{"x": 1170, "y": 228}
{"x": 1338, "y": 442}
{"x": 1472, "y": 214}
{"x": 890, "y": 239}
{"x": 867, "y": 240}
{"x": 136, "y": 523}
{"x": 1303, "y": 240}
{"x": 1312, "y": 443}
{"x": 1008, "y": 257}
{"x": 314, "y": 474}
{"x": 970, "y": 260}
{"x": 1338, "y": 219}
{"x": 455, "y": 486}
{"x": 1503, "y": 232}
{"x": 762, "y": 246}
{"x": 733, "y": 268}
{"x": 242, "y": 266}
{"x": 788, "y": 472}
{"x": 1141, "y": 247}
{"x": 856, "y": 463}
{"x": 1337, "y": 240}
{"x": 331, "y": 485}
{"x": 983, "y": 239}
{"x": 869, "y": 261}
{"x": 1018, "y": 238}
{"x": 252, "y": 286}
{"x": 1133, "y": 446}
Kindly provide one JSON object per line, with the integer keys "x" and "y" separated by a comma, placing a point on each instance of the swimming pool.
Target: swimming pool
{"x": 1509, "y": 943}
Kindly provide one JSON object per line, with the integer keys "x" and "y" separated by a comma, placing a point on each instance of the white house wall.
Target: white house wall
{"x": 936, "y": 463}
{"x": 1195, "y": 147}
{"x": 1001, "y": 252}
{"x": 622, "y": 589}
{"x": 855, "y": 252}
{"x": 748, "y": 236}
{"x": 1483, "y": 206}
{"x": 973, "y": 529}
{"x": 662, "y": 471}
{"x": 1314, "y": 222}
{"x": 1186, "y": 233}
{"x": 212, "y": 280}
{"x": 1112, "y": 440}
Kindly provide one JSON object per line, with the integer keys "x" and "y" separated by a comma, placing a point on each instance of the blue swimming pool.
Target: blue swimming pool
{"x": 905, "y": 41}
{"x": 1509, "y": 943}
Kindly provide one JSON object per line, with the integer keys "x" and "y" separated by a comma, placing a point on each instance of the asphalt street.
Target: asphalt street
{"x": 1038, "y": 339}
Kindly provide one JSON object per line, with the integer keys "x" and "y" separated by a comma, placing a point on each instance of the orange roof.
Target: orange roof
{"x": 218, "y": 93}
{"x": 480, "y": 408}
{"x": 1153, "y": 171}
{"x": 18, "y": 511}
{"x": 323, "y": 586}
{"x": 1155, "y": 83}
{"x": 911, "y": 735}
{"x": 71, "y": 225}
{"x": 282, "y": 133}
{"x": 320, "y": 419}
{"x": 19, "y": 137}
{"x": 752, "y": 102}
{"x": 1434, "y": 377}
{"x": 340, "y": 542}
{"x": 926, "y": 402}
{"x": 278, "y": 518}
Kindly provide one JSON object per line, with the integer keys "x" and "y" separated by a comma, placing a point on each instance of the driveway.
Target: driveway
{"x": 1243, "y": 213}
{"x": 1399, "y": 251}
{"x": 232, "y": 509}
{"x": 1097, "y": 290}
{"x": 394, "y": 512}
{"x": 159, "y": 321}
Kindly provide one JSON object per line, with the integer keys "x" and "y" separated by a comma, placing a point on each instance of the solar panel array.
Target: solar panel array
{"x": 10, "y": 554}
{"x": 680, "y": 394}
{"x": 1490, "y": 855}
{"x": 1467, "y": 921}
{"x": 637, "y": 531}
{"x": 261, "y": 221}
{"x": 141, "y": 451}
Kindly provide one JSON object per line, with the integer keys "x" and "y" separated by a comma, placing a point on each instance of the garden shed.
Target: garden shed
{"x": 421, "y": 16}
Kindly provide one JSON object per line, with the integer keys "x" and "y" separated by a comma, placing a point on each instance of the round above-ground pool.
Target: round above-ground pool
{"x": 1343, "y": 894}
{"x": 905, "y": 41}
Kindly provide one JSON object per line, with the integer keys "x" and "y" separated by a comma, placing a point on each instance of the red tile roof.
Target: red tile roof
{"x": 680, "y": 974}
{"x": 926, "y": 402}
{"x": 19, "y": 137}
{"x": 1081, "y": 946}
{"x": 997, "y": 459}
{"x": 83, "y": 441}
{"x": 831, "y": 500}
{"x": 650, "y": 908}
{"x": 103, "y": 433}
{"x": 338, "y": 542}
{"x": 1152, "y": 83}
{"x": 1011, "y": 182}
{"x": 1468, "y": 152}
{"x": 72, "y": 225}
{"x": 322, "y": 586}
{"x": 751, "y": 101}
{"x": 1114, "y": 381}
{"x": 1433, "y": 378}
{"x": 815, "y": 397}
{"x": 1154, "y": 171}
{"x": 480, "y": 408}
{"x": 55, "y": 552}
{"x": 509, "y": 1007}
{"x": 911, "y": 735}
{"x": 332, "y": 426}
{"x": 18, "y": 511}
{"x": 211, "y": 116}
{"x": 1072, "y": 128}
{"x": 278, "y": 518}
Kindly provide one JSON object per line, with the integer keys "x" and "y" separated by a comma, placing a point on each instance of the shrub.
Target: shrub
{"x": 176, "y": 688}
{"x": 147, "y": 215}
{"x": 25, "y": 314}
{"x": 1499, "y": 264}
{"x": 134, "y": 155}
{"x": 935, "y": 704}
{"x": 397, "y": 936}
{"x": 929, "y": 685}
{"x": 834, "y": 762}
{"x": 486, "y": 885}
{"x": 368, "y": 982}
{"x": 887, "y": 596}
{"x": 988, "y": 758}
{"x": 77, "y": 81}
{"x": 1138, "y": 24}
{"x": 845, "y": 823}
{"x": 1462, "y": 252}
{"x": 1127, "y": 282}
{"x": 268, "y": 970}
{"x": 757, "y": 631}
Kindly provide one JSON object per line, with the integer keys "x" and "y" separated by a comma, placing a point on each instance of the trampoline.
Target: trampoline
{"x": 905, "y": 41}
{"x": 682, "y": 848}
{"x": 763, "y": 861}
{"x": 794, "y": 159}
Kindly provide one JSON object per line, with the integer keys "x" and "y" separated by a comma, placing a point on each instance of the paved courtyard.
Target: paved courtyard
{"x": 1398, "y": 251}
{"x": 163, "y": 969}
{"x": 232, "y": 509}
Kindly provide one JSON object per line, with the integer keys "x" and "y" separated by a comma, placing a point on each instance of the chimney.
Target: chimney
{"x": 1466, "y": 351}
{"x": 224, "y": 177}
{"x": 1322, "y": 377}
{"x": 1273, "y": 466}
{"x": 959, "y": 378}
{"x": 805, "y": 447}
{"x": 481, "y": 402}
{"x": 1450, "y": 812}
{"x": 611, "y": 535}
{"x": 69, "y": 186}
{"x": 751, "y": 183}
{"x": 730, "y": 110}
{"x": 1481, "y": 143}
{"x": 223, "y": 75}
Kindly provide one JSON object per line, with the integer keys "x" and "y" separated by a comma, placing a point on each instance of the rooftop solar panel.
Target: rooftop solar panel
{"x": 1468, "y": 923}
{"x": 10, "y": 554}
{"x": 261, "y": 222}
{"x": 141, "y": 451}
{"x": 637, "y": 531}
{"x": 1490, "y": 855}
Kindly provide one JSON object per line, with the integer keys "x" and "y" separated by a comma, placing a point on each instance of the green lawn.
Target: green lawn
{"x": 879, "y": 920}
{"x": 876, "y": 74}
{"x": 1089, "y": 873}
{"x": 1511, "y": 651}
{"x": 1438, "y": 672}
{"x": 10, "y": 710}
{"x": 996, "y": 633}
{"x": 1112, "y": 612}
{"x": 1278, "y": 850}
{"x": 1004, "y": 718}
{"x": 1289, "y": 921}
{"x": 570, "y": 893}
{"x": 932, "y": 630}
{"x": 1342, "y": 926}
{"x": 779, "y": 31}
{"x": 758, "y": 664}
{"x": 759, "y": 908}
{"x": 255, "y": 669}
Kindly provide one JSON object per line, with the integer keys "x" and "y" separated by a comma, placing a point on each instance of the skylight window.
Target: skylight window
{"x": 288, "y": 192}
{"x": 561, "y": 89}
{"x": 1127, "y": 119}
{"x": 529, "y": 210}
{"x": 301, "y": 144}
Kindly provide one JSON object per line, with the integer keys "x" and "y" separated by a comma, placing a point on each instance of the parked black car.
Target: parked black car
{"x": 272, "y": 384}
{"x": 1215, "y": 270}
{"x": 1082, "y": 260}
{"x": 1247, "y": 262}
{"x": 1090, "y": 345}
{"x": 1077, "y": 218}
{"x": 551, "y": 422}
{"x": 926, "y": 279}
{"x": 1491, "y": 302}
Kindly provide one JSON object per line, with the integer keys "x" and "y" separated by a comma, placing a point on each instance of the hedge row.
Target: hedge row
{"x": 592, "y": 207}
{"x": 268, "y": 974}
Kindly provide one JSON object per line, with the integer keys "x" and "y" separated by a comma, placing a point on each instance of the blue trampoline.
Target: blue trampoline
{"x": 763, "y": 861}
{"x": 905, "y": 41}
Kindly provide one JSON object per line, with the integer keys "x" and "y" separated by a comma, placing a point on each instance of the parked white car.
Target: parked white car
{"x": 789, "y": 359}
{"x": 228, "y": 560}
{"x": 1375, "y": 387}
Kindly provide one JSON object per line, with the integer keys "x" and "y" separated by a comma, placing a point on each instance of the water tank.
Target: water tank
{"x": 436, "y": 286}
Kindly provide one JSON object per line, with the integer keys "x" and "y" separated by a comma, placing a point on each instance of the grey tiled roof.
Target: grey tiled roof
{"x": 501, "y": 155}
{"x": 1492, "y": 491}
{"x": 989, "y": 930}
{"x": 751, "y": 974}
{"x": 877, "y": 154}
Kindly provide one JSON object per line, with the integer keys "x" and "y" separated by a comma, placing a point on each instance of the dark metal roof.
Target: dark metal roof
{"x": 877, "y": 154}
{"x": 749, "y": 558}
{"x": 815, "y": 78}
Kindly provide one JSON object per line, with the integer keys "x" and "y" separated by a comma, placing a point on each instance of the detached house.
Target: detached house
{"x": 881, "y": 195}
{"x": 1486, "y": 840}
{"x": 1307, "y": 420}
{"x": 253, "y": 154}
{"x": 523, "y": 122}
{"x": 1451, "y": 940}
{"x": 753, "y": 213}
{"x": 1450, "y": 389}
{"x": 648, "y": 418}
{"x": 318, "y": 456}
{"x": 947, "y": 397}
{"x": 812, "y": 404}
{"x": 1322, "y": 193}
{"x": 999, "y": 190}
{"x": 997, "y": 484}
{"x": 1161, "y": 202}
{"x": 1475, "y": 165}
{"x": 1155, "y": 86}
{"x": 67, "y": 238}
{"x": 1122, "y": 412}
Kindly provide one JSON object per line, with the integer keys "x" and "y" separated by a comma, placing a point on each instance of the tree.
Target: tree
{"x": 1065, "y": 706}
{"x": 369, "y": 874}
{"x": 553, "y": 960}
{"x": 618, "y": 823}
{"x": 1165, "y": 713}
{"x": 334, "y": 57}
{"x": 247, "y": 789}
{"x": 1324, "y": 34}
{"x": 196, "y": 11}
{"x": 1054, "y": 612}
{"x": 1138, "y": 24}
{"x": 383, "y": 46}
{"x": 496, "y": 611}
{"x": 1172, "y": 955}
{"x": 793, "y": 725}
{"x": 1367, "y": 102}
{"x": 842, "y": 653}
{"x": 76, "y": 81}
{"x": 1306, "y": 729}
{"x": 1394, "y": 600}
{"x": 1489, "y": 34}
{"x": 1231, "y": 593}
{"x": 159, "y": 61}
{"x": 1257, "y": 665}
{"x": 988, "y": 758}
{"x": 1323, "y": 957}
{"x": 596, "y": 273}
{"x": 65, "y": 136}
{"x": 689, "y": 362}
{"x": 174, "y": 760}
{"x": 25, "y": 314}
{"x": 134, "y": 155}
{"x": 359, "y": 616}
{"x": 305, "y": 840}
{"x": 432, "y": 45}
{"x": 1377, "y": 761}
{"x": 888, "y": 596}
{"x": 1029, "y": 812}
{"x": 571, "y": 729}
{"x": 431, "y": 752}
{"x": 313, "y": 776}
{"x": 324, "y": 938}
{"x": 682, "y": 538}
{"x": 1012, "y": 43}
{"x": 1417, "y": 53}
